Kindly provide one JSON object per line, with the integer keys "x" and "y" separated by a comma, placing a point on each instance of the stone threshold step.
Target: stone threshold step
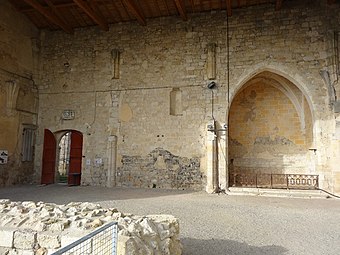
{"x": 278, "y": 192}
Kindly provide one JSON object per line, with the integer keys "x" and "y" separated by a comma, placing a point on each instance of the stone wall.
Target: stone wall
{"x": 18, "y": 93}
{"x": 42, "y": 228}
{"x": 77, "y": 73}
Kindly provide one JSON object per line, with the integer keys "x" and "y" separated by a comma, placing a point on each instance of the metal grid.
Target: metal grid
{"x": 102, "y": 241}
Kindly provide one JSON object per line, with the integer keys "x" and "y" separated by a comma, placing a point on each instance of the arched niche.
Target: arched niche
{"x": 270, "y": 127}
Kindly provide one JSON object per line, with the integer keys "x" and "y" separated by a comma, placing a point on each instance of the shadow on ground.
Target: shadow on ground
{"x": 227, "y": 247}
{"x": 62, "y": 194}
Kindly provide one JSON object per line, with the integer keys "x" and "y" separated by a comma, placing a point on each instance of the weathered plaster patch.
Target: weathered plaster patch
{"x": 125, "y": 113}
{"x": 160, "y": 169}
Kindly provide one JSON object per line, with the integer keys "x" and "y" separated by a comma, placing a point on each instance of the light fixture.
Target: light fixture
{"x": 211, "y": 85}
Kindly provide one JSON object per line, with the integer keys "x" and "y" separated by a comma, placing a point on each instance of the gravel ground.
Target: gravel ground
{"x": 217, "y": 224}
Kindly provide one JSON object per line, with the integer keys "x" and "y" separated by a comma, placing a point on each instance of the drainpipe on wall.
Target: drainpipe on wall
{"x": 111, "y": 171}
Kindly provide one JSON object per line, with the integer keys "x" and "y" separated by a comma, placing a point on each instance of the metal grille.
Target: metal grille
{"x": 275, "y": 181}
{"x": 27, "y": 144}
{"x": 102, "y": 241}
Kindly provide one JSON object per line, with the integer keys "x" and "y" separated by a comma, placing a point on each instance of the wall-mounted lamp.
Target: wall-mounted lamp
{"x": 212, "y": 85}
{"x": 313, "y": 150}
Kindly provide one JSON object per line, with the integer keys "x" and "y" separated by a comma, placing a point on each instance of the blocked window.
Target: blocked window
{"x": 176, "y": 102}
{"x": 28, "y": 137}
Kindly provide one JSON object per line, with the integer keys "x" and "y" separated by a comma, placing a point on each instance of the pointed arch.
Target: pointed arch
{"x": 281, "y": 73}
{"x": 271, "y": 126}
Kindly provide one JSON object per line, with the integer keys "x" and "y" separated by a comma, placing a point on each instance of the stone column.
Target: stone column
{"x": 112, "y": 152}
{"x": 222, "y": 158}
{"x": 210, "y": 150}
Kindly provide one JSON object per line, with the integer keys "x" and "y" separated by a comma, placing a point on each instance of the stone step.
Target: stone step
{"x": 278, "y": 193}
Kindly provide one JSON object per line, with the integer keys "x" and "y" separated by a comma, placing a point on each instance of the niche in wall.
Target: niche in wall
{"x": 176, "y": 102}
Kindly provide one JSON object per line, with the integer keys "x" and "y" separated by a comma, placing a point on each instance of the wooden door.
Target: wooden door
{"x": 74, "y": 173}
{"x": 48, "y": 160}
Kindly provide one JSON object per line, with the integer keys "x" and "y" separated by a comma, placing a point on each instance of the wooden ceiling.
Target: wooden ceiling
{"x": 70, "y": 14}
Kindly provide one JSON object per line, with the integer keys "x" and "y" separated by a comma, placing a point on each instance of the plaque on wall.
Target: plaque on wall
{"x": 68, "y": 115}
{"x": 3, "y": 157}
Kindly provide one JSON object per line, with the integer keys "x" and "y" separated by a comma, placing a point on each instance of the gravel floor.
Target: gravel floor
{"x": 217, "y": 224}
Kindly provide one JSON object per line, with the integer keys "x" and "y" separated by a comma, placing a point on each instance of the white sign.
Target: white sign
{"x": 68, "y": 115}
{"x": 88, "y": 162}
{"x": 98, "y": 161}
{"x": 3, "y": 157}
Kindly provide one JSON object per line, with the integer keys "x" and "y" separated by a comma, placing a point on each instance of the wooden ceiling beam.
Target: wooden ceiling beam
{"x": 192, "y": 3}
{"x": 167, "y": 7}
{"x": 55, "y": 11}
{"x": 278, "y": 5}
{"x": 94, "y": 5}
{"x": 94, "y": 15}
{"x": 49, "y": 15}
{"x": 117, "y": 9}
{"x": 181, "y": 9}
{"x": 238, "y": 3}
{"x": 131, "y": 6}
{"x": 229, "y": 12}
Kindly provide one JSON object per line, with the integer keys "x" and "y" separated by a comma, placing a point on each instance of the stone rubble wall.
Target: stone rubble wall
{"x": 165, "y": 171}
{"x": 41, "y": 228}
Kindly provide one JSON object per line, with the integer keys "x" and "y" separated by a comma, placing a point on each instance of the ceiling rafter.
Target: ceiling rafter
{"x": 167, "y": 7}
{"x": 192, "y": 4}
{"x": 116, "y": 9}
{"x": 220, "y": 5}
{"x": 93, "y": 14}
{"x": 131, "y": 6}
{"x": 56, "y": 11}
{"x": 181, "y": 9}
{"x": 148, "y": 11}
{"x": 95, "y": 7}
{"x": 49, "y": 15}
{"x": 57, "y": 6}
{"x": 278, "y": 5}
{"x": 158, "y": 8}
{"x": 229, "y": 12}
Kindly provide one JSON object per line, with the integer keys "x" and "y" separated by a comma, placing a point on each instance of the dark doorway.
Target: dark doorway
{"x": 64, "y": 157}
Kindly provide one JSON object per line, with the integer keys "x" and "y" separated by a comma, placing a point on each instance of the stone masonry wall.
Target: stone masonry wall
{"x": 18, "y": 93}
{"x": 42, "y": 228}
{"x": 169, "y": 53}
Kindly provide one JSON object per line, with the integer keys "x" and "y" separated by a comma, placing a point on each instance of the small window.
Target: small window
{"x": 28, "y": 137}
